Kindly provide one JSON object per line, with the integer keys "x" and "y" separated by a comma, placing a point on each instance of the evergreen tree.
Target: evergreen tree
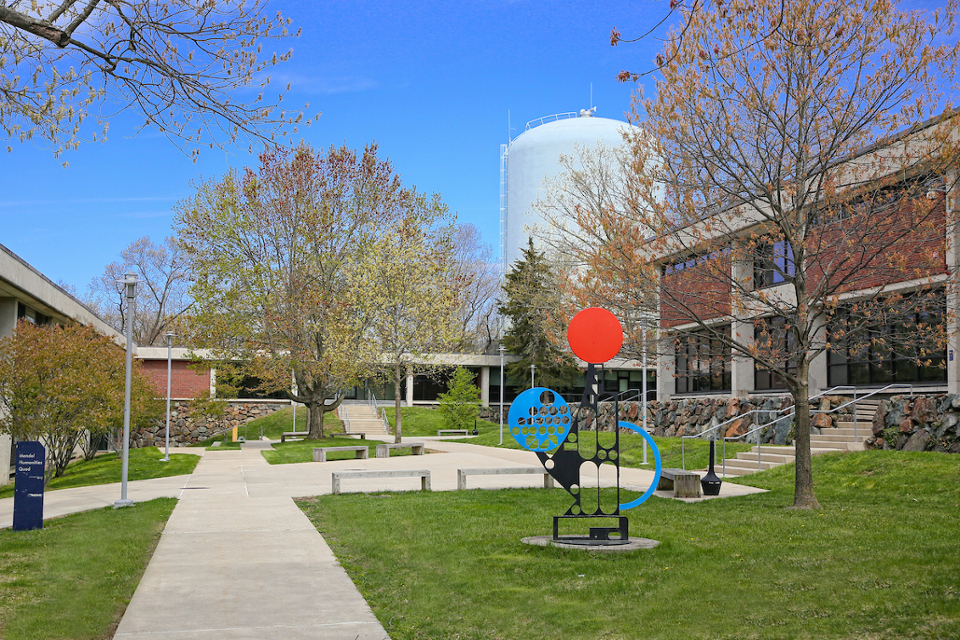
{"x": 531, "y": 305}
{"x": 460, "y": 405}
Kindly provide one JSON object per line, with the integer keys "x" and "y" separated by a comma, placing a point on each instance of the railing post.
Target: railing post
{"x": 855, "y": 420}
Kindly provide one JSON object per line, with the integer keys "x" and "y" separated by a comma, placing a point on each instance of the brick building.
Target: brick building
{"x": 890, "y": 240}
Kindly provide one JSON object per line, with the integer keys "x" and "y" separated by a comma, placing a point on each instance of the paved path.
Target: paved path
{"x": 238, "y": 559}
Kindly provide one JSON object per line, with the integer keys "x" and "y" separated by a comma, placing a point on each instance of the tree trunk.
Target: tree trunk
{"x": 396, "y": 401}
{"x": 803, "y": 496}
{"x": 314, "y": 419}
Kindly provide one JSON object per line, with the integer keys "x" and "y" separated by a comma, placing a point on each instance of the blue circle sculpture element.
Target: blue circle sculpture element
{"x": 656, "y": 457}
{"x": 539, "y": 422}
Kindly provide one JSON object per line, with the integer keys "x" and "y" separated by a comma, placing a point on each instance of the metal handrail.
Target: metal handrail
{"x": 856, "y": 399}
{"x": 793, "y": 413}
{"x": 738, "y": 416}
{"x": 344, "y": 418}
{"x": 386, "y": 422}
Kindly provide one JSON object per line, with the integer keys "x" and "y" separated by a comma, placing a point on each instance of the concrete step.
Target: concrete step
{"x": 829, "y": 436}
{"x": 772, "y": 457}
{"x": 863, "y": 431}
{"x": 750, "y": 464}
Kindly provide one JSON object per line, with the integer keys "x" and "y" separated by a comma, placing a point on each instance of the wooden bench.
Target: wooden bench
{"x": 320, "y": 453}
{"x": 459, "y": 432}
{"x": 383, "y": 450}
{"x": 293, "y": 434}
{"x": 502, "y": 471}
{"x": 685, "y": 484}
{"x": 423, "y": 474}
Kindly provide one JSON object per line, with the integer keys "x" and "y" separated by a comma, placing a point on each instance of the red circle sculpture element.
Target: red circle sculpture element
{"x": 595, "y": 335}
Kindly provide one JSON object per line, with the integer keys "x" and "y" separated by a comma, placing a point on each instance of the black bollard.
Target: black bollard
{"x": 711, "y": 482}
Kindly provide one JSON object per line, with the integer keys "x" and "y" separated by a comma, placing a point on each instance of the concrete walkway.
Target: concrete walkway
{"x": 238, "y": 559}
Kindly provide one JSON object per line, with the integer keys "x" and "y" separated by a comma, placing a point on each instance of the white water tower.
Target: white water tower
{"x": 533, "y": 157}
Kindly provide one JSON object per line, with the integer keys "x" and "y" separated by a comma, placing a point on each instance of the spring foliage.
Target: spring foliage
{"x": 178, "y": 63}
{"x": 57, "y": 384}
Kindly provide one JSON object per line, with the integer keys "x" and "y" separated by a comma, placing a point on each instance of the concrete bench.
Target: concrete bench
{"x": 685, "y": 484}
{"x": 320, "y": 453}
{"x": 383, "y": 450}
{"x": 459, "y": 432}
{"x": 363, "y": 435}
{"x": 293, "y": 434}
{"x": 502, "y": 471}
{"x": 423, "y": 474}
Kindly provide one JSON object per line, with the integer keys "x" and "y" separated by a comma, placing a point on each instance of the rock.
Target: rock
{"x": 737, "y": 428}
{"x": 822, "y": 421}
{"x": 954, "y": 448}
{"x": 733, "y": 408}
{"x": 924, "y": 409}
{"x": 781, "y": 429}
{"x": 894, "y": 416}
{"x": 917, "y": 442}
{"x": 947, "y": 422}
{"x": 906, "y": 425}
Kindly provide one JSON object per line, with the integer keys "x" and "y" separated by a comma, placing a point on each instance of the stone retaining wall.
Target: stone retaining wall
{"x": 691, "y": 416}
{"x": 189, "y": 427}
{"x": 920, "y": 423}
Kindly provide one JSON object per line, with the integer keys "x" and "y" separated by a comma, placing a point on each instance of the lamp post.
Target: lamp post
{"x": 130, "y": 291}
{"x": 169, "y": 335}
{"x": 533, "y": 368}
{"x": 643, "y": 405}
{"x": 502, "y": 349}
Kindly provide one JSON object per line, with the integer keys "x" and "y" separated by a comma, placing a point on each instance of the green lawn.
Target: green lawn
{"x": 144, "y": 464}
{"x": 879, "y": 561}
{"x": 302, "y": 450}
{"x": 425, "y": 421}
{"x": 275, "y": 424}
{"x": 696, "y": 452}
{"x": 73, "y": 578}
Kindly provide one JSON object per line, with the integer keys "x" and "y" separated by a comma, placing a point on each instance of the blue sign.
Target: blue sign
{"x": 28, "y": 490}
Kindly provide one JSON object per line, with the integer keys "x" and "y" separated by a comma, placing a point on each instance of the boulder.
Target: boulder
{"x": 924, "y": 409}
{"x": 822, "y": 421}
{"x": 906, "y": 425}
{"x": 917, "y": 442}
{"x": 737, "y": 428}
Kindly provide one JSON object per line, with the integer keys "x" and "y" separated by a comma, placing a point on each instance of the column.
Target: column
{"x": 953, "y": 287}
{"x": 409, "y": 388}
{"x": 484, "y": 386}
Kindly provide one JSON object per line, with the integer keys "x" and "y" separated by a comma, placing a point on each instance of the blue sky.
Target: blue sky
{"x": 430, "y": 82}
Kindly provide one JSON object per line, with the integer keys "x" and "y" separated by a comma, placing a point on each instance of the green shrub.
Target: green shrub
{"x": 460, "y": 405}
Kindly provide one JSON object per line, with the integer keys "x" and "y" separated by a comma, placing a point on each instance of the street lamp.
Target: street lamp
{"x": 502, "y": 349}
{"x": 533, "y": 368}
{"x": 130, "y": 291}
{"x": 169, "y": 335}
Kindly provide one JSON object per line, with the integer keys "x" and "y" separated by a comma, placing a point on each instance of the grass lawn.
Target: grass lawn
{"x": 696, "y": 452}
{"x": 73, "y": 578}
{"x": 424, "y": 421}
{"x": 144, "y": 464}
{"x": 278, "y": 422}
{"x": 879, "y": 561}
{"x": 302, "y": 450}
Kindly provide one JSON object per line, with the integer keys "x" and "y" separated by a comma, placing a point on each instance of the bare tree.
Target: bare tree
{"x": 162, "y": 293}
{"x": 477, "y": 281}
{"x": 593, "y": 232}
{"x": 177, "y": 62}
{"x": 799, "y": 218}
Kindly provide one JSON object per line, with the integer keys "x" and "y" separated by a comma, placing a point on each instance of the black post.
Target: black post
{"x": 711, "y": 482}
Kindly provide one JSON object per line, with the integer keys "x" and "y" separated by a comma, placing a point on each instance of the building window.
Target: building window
{"x": 773, "y": 265}
{"x": 772, "y": 337}
{"x": 703, "y": 363}
{"x": 889, "y": 352}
